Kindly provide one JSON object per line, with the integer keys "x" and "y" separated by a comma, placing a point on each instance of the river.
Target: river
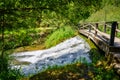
{"x": 69, "y": 51}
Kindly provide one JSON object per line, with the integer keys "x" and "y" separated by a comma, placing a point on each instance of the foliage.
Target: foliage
{"x": 68, "y": 72}
{"x": 20, "y": 14}
{"x": 59, "y": 35}
{"x": 17, "y": 15}
{"x": 6, "y": 73}
{"x": 25, "y": 14}
{"x": 76, "y": 71}
{"x": 19, "y": 38}
{"x": 111, "y": 2}
{"x": 111, "y": 13}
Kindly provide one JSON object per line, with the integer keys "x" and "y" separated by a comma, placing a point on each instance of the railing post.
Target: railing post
{"x": 105, "y": 27}
{"x": 89, "y": 28}
{"x": 112, "y": 35}
{"x": 79, "y": 25}
{"x": 96, "y": 27}
{"x": 116, "y": 33}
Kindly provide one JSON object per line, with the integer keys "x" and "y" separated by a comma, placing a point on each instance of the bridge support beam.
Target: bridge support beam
{"x": 105, "y": 28}
{"x": 112, "y": 35}
{"x": 89, "y": 28}
{"x": 96, "y": 29}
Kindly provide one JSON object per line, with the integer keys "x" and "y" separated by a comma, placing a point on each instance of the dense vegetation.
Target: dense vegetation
{"x": 48, "y": 22}
{"x": 21, "y": 17}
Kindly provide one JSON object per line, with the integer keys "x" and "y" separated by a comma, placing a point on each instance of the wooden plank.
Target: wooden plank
{"x": 102, "y": 40}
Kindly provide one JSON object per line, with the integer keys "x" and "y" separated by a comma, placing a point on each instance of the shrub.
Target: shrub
{"x": 6, "y": 73}
{"x": 59, "y": 35}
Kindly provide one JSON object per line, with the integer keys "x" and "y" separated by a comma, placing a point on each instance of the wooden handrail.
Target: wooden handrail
{"x": 106, "y": 24}
{"x": 117, "y": 30}
{"x": 94, "y": 26}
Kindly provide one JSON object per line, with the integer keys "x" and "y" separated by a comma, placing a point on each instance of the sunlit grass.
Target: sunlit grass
{"x": 59, "y": 35}
{"x": 108, "y": 13}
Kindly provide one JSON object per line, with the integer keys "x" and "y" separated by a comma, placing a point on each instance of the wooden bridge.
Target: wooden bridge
{"x": 106, "y": 35}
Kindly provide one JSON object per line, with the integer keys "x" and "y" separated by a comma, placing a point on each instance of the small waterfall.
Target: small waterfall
{"x": 66, "y": 52}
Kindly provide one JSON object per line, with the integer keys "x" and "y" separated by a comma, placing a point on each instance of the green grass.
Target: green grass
{"x": 111, "y": 13}
{"x": 59, "y": 35}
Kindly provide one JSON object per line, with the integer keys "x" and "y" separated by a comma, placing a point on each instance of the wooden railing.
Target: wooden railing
{"x": 95, "y": 26}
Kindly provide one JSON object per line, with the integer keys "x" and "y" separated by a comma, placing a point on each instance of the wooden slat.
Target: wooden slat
{"x": 117, "y": 30}
{"x": 101, "y": 41}
{"x": 103, "y": 36}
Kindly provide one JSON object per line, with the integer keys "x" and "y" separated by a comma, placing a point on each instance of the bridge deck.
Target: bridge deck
{"x": 102, "y": 40}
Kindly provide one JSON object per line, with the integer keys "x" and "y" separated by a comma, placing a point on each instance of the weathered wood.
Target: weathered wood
{"x": 89, "y": 28}
{"x": 116, "y": 31}
{"x": 102, "y": 42}
{"x": 102, "y": 39}
{"x": 105, "y": 28}
{"x": 112, "y": 35}
{"x": 96, "y": 27}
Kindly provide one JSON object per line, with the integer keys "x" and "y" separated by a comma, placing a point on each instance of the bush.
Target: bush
{"x": 59, "y": 35}
{"x": 6, "y": 73}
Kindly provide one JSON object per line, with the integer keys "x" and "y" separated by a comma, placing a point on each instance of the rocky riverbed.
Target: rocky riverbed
{"x": 71, "y": 50}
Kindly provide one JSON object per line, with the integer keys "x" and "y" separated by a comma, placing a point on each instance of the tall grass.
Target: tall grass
{"x": 59, "y": 35}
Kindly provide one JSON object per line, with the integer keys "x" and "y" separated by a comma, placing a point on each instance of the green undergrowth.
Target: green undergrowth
{"x": 25, "y": 37}
{"x": 59, "y": 35}
{"x": 76, "y": 71}
{"x": 99, "y": 69}
{"x": 6, "y": 72}
{"x": 73, "y": 71}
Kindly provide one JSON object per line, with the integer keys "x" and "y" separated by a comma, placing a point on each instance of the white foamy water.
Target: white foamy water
{"x": 66, "y": 52}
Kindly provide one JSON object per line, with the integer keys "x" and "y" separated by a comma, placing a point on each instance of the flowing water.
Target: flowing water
{"x": 69, "y": 51}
